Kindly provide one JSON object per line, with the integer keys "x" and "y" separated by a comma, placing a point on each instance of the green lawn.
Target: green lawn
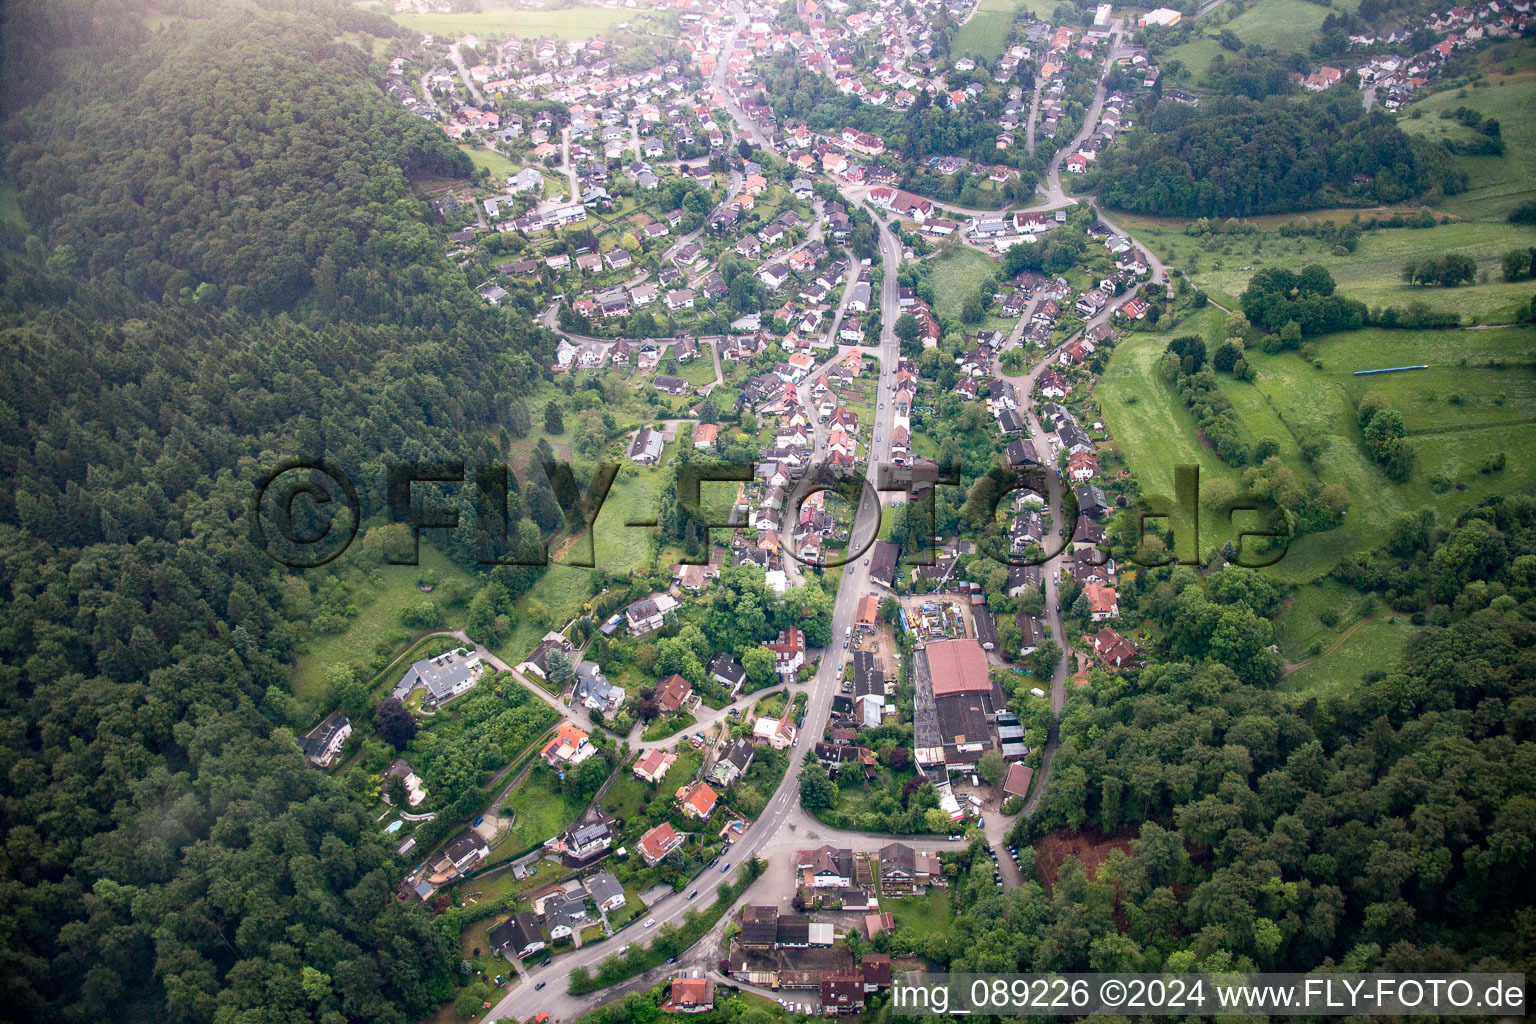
{"x": 955, "y": 278}
{"x": 497, "y": 163}
{"x": 540, "y": 807}
{"x": 567, "y": 23}
{"x": 924, "y": 914}
{"x": 1284, "y": 25}
{"x": 380, "y": 596}
{"x": 1497, "y": 183}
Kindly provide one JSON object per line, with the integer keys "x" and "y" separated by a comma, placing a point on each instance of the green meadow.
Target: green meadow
{"x": 1472, "y": 402}
{"x": 1497, "y": 184}
{"x": 1222, "y": 264}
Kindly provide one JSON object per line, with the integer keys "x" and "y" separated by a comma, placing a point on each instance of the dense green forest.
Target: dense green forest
{"x": 1237, "y": 158}
{"x": 167, "y": 853}
{"x": 1386, "y": 828}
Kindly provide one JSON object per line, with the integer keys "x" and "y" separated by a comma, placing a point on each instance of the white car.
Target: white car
{"x": 650, "y": 921}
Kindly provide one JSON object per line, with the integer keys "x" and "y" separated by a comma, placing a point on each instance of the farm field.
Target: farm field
{"x": 1222, "y": 264}
{"x": 380, "y": 598}
{"x": 1154, "y": 432}
{"x": 1497, "y": 184}
{"x": 573, "y": 23}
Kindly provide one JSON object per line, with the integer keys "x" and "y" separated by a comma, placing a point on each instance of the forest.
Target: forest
{"x": 1385, "y": 828}
{"x": 168, "y": 854}
{"x": 1240, "y": 159}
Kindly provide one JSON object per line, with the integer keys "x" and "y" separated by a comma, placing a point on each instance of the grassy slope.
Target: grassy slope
{"x": 1155, "y": 432}
{"x": 377, "y": 620}
{"x": 569, "y": 24}
{"x": 1284, "y": 25}
{"x": 1376, "y": 644}
{"x": 1371, "y": 273}
{"x": 619, "y": 549}
{"x": 1497, "y": 184}
{"x": 499, "y": 166}
{"x": 540, "y": 807}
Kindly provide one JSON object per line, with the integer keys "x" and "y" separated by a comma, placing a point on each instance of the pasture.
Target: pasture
{"x": 1472, "y": 403}
{"x": 1497, "y": 184}
{"x": 1222, "y": 264}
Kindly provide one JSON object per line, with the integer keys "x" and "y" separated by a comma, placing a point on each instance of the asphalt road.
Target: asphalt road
{"x": 783, "y": 825}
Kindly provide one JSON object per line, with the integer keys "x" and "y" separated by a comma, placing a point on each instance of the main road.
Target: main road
{"x": 783, "y": 824}
{"x": 778, "y": 828}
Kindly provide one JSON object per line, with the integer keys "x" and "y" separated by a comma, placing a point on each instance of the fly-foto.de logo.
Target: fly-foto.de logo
{"x": 305, "y": 513}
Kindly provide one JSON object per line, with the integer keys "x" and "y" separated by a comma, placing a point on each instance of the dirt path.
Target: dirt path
{"x": 1292, "y": 666}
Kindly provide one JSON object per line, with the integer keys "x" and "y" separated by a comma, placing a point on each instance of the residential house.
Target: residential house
{"x": 324, "y": 742}
{"x": 653, "y": 764}
{"x": 415, "y": 792}
{"x": 520, "y": 936}
{"x": 570, "y": 746}
{"x": 733, "y": 763}
{"x": 657, "y": 842}
{"x": 444, "y": 677}
{"x": 698, "y": 799}
{"x": 778, "y": 732}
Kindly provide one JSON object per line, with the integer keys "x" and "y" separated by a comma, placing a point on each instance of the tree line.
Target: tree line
{"x": 1241, "y": 158}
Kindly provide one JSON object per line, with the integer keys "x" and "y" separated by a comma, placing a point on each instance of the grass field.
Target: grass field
{"x": 1196, "y": 55}
{"x": 1222, "y": 264}
{"x": 540, "y": 807}
{"x": 955, "y": 278}
{"x": 380, "y": 598}
{"x": 1284, "y": 25}
{"x": 1149, "y": 425}
{"x": 1289, "y": 399}
{"x": 498, "y": 164}
{"x": 986, "y": 33}
{"x": 1497, "y": 183}
{"x": 568, "y": 23}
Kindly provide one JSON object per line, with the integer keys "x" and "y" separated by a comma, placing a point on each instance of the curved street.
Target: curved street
{"x": 783, "y": 825}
